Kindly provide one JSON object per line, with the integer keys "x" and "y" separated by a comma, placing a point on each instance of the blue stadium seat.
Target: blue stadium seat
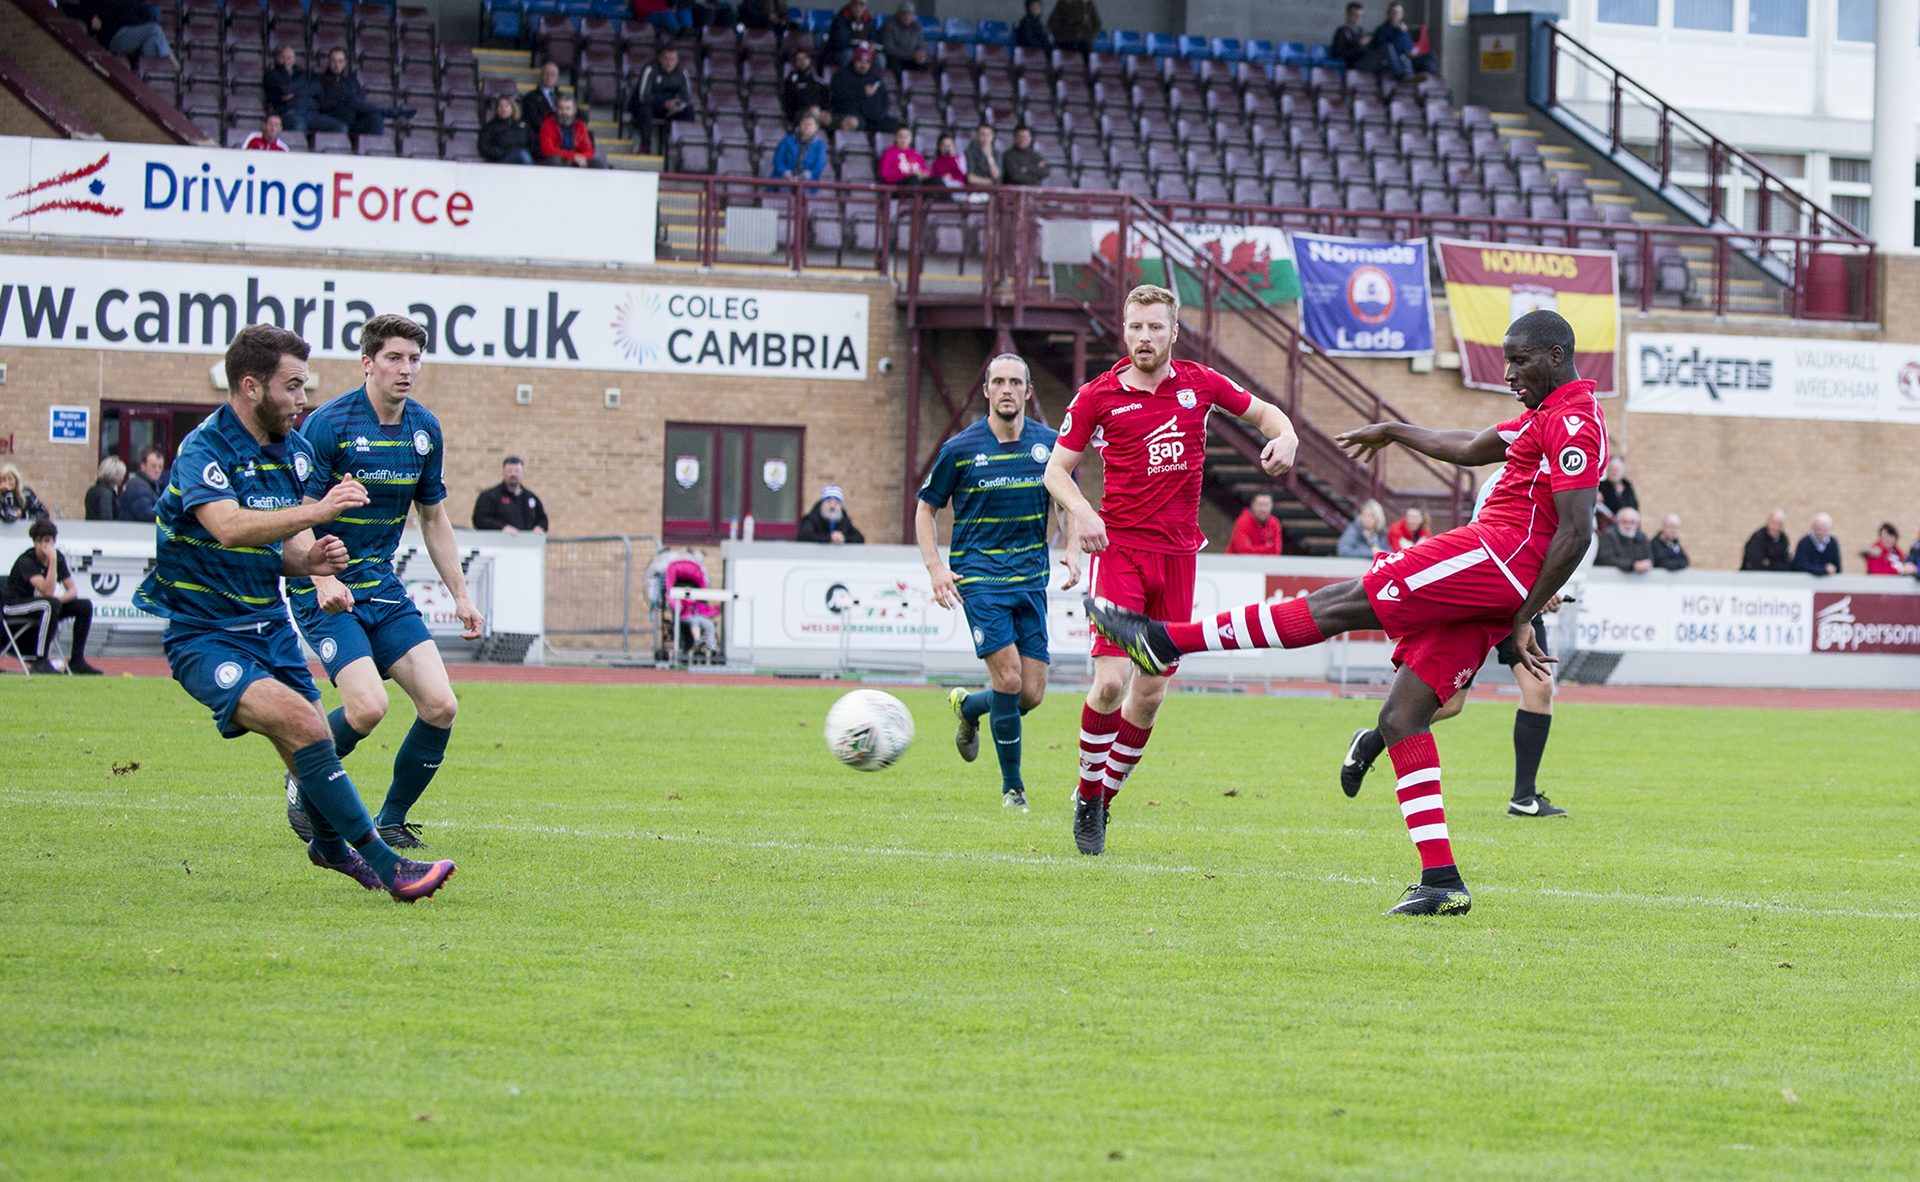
{"x": 1319, "y": 55}
{"x": 1262, "y": 51}
{"x": 819, "y": 20}
{"x": 996, "y": 33}
{"x": 1104, "y": 42}
{"x": 1292, "y": 53}
{"x": 1162, "y": 45}
{"x": 1127, "y": 41}
{"x": 1195, "y": 47}
{"x": 959, "y": 28}
{"x": 932, "y": 28}
{"x": 577, "y": 9}
{"x": 1228, "y": 49}
{"x": 504, "y": 23}
{"x": 797, "y": 16}
{"x": 613, "y": 9}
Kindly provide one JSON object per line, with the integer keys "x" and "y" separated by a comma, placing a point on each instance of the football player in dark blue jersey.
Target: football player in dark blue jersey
{"x": 996, "y": 567}
{"x": 232, "y": 520}
{"x": 362, "y": 622}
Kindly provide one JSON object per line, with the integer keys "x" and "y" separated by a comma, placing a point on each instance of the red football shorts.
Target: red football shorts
{"x": 1449, "y": 600}
{"x": 1160, "y": 585}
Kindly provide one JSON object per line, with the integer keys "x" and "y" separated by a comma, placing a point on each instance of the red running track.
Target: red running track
{"x": 1612, "y": 695}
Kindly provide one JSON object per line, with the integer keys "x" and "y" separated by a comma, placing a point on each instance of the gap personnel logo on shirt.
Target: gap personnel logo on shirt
{"x": 1165, "y": 447}
{"x": 1573, "y": 461}
{"x": 301, "y": 466}
{"x": 422, "y": 442}
{"x": 1187, "y": 398}
{"x": 1039, "y": 453}
{"x": 213, "y": 475}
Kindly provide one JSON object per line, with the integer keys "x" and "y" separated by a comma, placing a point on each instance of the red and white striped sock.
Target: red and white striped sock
{"x": 1128, "y": 746}
{"x": 1416, "y": 761}
{"x": 1097, "y": 733}
{"x": 1287, "y": 624}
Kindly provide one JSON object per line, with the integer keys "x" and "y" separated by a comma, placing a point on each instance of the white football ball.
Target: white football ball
{"x": 868, "y": 730}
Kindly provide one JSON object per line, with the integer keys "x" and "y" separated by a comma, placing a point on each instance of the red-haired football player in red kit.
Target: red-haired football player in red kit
{"x": 1148, "y": 415}
{"x": 1449, "y": 598}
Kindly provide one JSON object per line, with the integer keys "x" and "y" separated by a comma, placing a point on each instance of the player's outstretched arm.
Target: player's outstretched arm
{"x": 233, "y": 526}
{"x": 926, "y": 532}
{"x": 1087, "y": 525}
{"x": 1449, "y": 447}
{"x": 437, "y": 529}
{"x": 1282, "y": 441}
{"x": 1569, "y": 546}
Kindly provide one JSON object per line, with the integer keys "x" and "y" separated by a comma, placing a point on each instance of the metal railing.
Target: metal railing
{"x": 590, "y": 583}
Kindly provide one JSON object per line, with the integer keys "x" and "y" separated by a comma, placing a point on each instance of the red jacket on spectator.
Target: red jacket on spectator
{"x": 1884, "y": 560}
{"x": 260, "y": 143}
{"x": 1399, "y": 537}
{"x": 642, "y": 9}
{"x": 1251, "y": 537}
{"x": 552, "y": 142}
{"x": 951, "y": 168}
{"x": 894, "y": 162}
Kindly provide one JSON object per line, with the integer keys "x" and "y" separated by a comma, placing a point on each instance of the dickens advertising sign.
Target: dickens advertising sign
{"x": 1773, "y": 378}
{"x": 70, "y": 303}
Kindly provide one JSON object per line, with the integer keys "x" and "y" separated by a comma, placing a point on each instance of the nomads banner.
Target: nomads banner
{"x": 1490, "y": 285}
{"x": 71, "y": 303}
{"x": 363, "y": 204}
{"x": 1364, "y": 299}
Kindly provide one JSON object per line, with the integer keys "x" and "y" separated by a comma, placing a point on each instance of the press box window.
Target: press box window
{"x": 717, "y": 474}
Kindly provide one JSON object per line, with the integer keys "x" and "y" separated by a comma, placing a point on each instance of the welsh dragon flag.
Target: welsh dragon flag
{"x": 1261, "y": 256}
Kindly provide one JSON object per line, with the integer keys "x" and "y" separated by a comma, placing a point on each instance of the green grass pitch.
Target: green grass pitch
{"x": 685, "y": 944}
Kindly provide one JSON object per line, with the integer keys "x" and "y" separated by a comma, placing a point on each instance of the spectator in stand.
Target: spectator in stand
{"x": 505, "y": 139}
{"x": 1819, "y": 552}
{"x": 859, "y": 97}
{"x": 1394, "y": 43}
{"x": 1616, "y": 491}
{"x": 542, "y": 101}
{"x": 902, "y": 165}
{"x": 103, "y": 499}
{"x": 41, "y": 585}
{"x": 1364, "y": 537}
{"x": 662, "y": 15}
{"x": 1074, "y": 25}
{"x": 565, "y": 141}
{"x": 1257, "y": 531}
{"x": 17, "y": 501}
{"x": 664, "y": 94}
{"x": 765, "y": 14}
{"x": 127, "y": 27}
{"x": 1624, "y": 547}
{"x": 292, "y": 94}
{"x": 801, "y": 88}
{"x": 142, "y": 489}
{"x": 948, "y": 166}
{"x": 1032, "y": 31}
{"x": 1667, "y": 552}
{"x": 852, "y": 29}
{"x": 1883, "y": 557}
{"x": 1767, "y": 549}
{"x": 342, "y": 98}
{"x": 1351, "y": 40}
{"x": 983, "y": 160}
{"x": 706, "y": 13}
{"x": 903, "y": 41}
{"x": 828, "y": 522}
{"x": 510, "y": 506}
{"x": 267, "y": 139}
{"x": 803, "y": 154}
{"x": 1411, "y": 528}
{"x": 1023, "y": 162}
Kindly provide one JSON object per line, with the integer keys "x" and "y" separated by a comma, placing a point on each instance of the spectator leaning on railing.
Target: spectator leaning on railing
{"x": 1667, "y": 552}
{"x": 17, "y": 501}
{"x": 828, "y": 521}
{"x": 1883, "y": 557}
{"x": 1819, "y": 552}
{"x": 1768, "y": 549}
{"x": 1023, "y": 162}
{"x": 1616, "y": 491}
{"x": 142, "y": 489}
{"x": 103, "y": 499}
{"x": 1624, "y": 547}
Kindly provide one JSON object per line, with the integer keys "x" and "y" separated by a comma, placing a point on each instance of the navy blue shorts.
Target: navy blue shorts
{"x": 1018, "y": 618}
{"x": 384, "y": 624}
{"x": 216, "y": 667}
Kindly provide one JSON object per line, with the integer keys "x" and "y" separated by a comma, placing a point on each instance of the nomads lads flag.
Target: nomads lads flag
{"x": 1490, "y": 285}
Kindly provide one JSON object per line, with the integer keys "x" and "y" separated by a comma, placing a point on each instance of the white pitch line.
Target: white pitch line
{"x": 97, "y": 800}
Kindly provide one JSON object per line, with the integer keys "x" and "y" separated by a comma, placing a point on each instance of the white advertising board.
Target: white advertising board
{"x": 1773, "y": 377}
{"x": 1680, "y": 617}
{"x": 163, "y": 193}
{"x": 137, "y": 306}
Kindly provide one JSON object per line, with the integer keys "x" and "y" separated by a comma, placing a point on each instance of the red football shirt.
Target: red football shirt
{"x": 1153, "y": 446}
{"x": 1559, "y": 445}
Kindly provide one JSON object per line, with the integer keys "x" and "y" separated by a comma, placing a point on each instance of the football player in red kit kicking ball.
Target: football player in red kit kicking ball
{"x": 1451, "y": 597}
{"x": 1148, "y": 414}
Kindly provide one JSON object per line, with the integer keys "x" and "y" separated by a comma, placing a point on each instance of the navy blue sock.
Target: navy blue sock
{"x": 1006, "y": 738}
{"x": 977, "y": 705}
{"x": 326, "y": 839}
{"x": 345, "y": 738}
{"x": 413, "y": 767}
{"x": 324, "y": 784}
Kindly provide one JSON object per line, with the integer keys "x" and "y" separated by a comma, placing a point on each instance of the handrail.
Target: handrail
{"x": 1719, "y": 152}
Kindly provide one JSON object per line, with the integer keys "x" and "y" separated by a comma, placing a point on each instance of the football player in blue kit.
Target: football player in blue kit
{"x": 996, "y": 566}
{"x": 232, "y": 520}
{"x": 362, "y": 622}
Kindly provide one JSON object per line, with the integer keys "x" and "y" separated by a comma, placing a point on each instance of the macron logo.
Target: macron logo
{"x": 1120, "y": 410}
{"x": 1391, "y": 593}
{"x": 1573, "y": 424}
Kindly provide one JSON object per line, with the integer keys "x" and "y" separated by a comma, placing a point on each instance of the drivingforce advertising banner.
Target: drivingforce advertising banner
{"x": 90, "y": 189}
{"x": 1489, "y": 286}
{"x": 1773, "y": 378}
{"x": 1364, "y": 299}
{"x": 70, "y": 303}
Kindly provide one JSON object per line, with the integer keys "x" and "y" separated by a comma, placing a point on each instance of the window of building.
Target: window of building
{"x": 129, "y": 428}
{"x": 1777, "y": 18}
{"x": 1630, "y": 12}
{"x": 1852, "y": 209}
{"x": 1850, "y": 170}
{"x": 1855, "y": 21}
{"x": 716, "y": 475}
{"x": 1713, "y": 15}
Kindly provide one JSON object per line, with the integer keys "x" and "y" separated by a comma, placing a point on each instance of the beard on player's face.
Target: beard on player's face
{"x": 1006, "y": 404}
